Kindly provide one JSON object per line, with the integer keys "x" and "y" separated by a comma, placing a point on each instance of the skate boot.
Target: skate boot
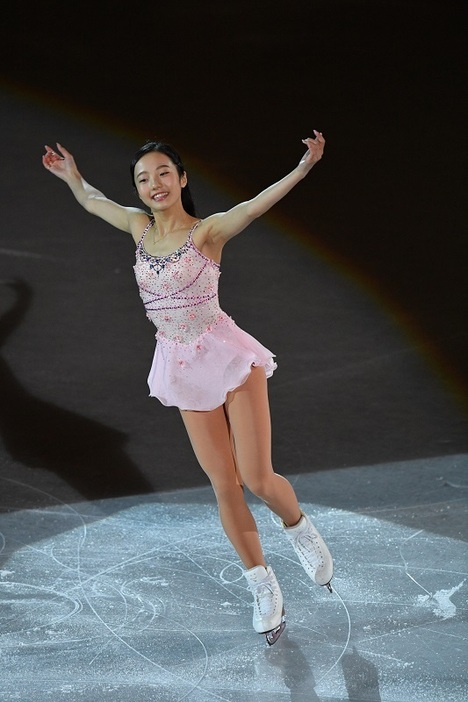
{"x": 312, "y": 551}
{"x": 268, "y": 612}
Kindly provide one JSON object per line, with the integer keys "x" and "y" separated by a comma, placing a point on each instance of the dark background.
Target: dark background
{"x": 236, "y": 85}
{"x": 365, "y": 309}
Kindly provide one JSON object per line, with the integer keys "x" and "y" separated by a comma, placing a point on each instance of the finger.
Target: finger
{"x": 49, "y": 152}
{"x": 63, "y": 150}
{"x": 313, "y": 141}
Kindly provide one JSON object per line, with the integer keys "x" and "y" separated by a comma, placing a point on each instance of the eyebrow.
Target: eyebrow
{"x": 157, "y": 169}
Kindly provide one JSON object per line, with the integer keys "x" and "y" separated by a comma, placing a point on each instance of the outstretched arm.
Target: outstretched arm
{"x": 224, "y": 225}
{"x": 62, "y": 165}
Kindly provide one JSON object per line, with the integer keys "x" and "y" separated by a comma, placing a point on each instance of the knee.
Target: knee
{"x": 228, "y": 493}
{"x": 224, "y": 484}
{"x": 260, "y": 485}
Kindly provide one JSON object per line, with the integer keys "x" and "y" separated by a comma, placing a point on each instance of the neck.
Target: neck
{"x": 166, "y": 224}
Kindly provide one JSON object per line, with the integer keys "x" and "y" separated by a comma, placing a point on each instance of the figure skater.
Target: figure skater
{"x": 204, "y": 364}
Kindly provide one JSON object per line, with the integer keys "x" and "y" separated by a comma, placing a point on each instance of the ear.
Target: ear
{"x": 183, "y": 180}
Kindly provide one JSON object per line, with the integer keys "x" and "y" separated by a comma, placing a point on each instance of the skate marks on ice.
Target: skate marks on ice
{"x": 172, "y": 619}
{"x": 145, "y": 601}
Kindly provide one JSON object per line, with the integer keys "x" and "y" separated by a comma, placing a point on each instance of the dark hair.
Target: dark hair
{"x": 164, "y": 148}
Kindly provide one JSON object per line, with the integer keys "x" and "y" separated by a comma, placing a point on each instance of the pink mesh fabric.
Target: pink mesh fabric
{"x": 201, "y": 354}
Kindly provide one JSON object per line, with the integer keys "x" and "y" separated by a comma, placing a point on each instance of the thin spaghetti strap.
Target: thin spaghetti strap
{"x": 150, "y": 224}
{"x": 192, "y": 229}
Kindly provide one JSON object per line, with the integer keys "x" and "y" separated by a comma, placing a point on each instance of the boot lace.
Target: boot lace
{"x": 309, "y": 547}
{"x": 264, "y": 598}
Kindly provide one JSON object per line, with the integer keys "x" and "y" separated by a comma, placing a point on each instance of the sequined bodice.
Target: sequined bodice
{"x": 179, "y": 291}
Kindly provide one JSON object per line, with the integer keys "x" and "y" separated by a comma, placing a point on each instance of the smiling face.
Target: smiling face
{"x": 157, "y": 181}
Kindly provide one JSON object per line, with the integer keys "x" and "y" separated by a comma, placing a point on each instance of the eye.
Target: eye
{"x": 163, "y": 173}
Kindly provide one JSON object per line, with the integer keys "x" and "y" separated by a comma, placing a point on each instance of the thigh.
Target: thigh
{"x": 211, "y": 440}
{"x": 248, "y": 413}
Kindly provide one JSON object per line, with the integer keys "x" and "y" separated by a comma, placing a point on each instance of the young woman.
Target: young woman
{"x": 214, "y": 372}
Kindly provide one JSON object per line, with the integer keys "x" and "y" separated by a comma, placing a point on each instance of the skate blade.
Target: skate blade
{"x": 273, "y": 635}
{"x": 327, "y": 585}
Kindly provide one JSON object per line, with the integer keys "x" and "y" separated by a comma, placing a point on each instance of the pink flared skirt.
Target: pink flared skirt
{"x": 199, "y": 375}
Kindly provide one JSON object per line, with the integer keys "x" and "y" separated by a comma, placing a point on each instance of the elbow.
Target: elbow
{"x": 91, "y": 202}
{"x": 253, "y": 210}
{"x": 88, "y": 205}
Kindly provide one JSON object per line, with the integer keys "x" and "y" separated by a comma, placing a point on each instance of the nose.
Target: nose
{"x": 155, "y": 182}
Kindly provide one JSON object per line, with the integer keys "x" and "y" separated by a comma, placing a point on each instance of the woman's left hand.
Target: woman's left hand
{"x": 314, "y": 150}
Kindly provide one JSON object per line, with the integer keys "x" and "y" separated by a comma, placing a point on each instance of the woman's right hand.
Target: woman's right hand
{"x": 61, "y": 164}
{"x": 128, "y": 219}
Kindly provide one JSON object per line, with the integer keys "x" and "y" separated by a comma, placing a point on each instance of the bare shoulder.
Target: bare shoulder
{"x": 205, "y": 241}
{"x": 138, "y": 220}
{"x": 206, "y": 229}
{"x": 222, "y": 226}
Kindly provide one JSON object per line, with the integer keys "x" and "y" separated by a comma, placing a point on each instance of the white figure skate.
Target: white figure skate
{"x": 312, "y": 551}
{"x": 268, "y": 610}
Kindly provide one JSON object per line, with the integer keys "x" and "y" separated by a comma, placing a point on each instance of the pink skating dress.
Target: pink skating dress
{"x": 201, "y": 354}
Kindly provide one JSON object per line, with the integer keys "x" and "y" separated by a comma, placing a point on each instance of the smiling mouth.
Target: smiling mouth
{"x": 159, "y": 196}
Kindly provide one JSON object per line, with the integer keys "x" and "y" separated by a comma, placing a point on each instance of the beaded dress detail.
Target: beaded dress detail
{"x": 201, "y": 354}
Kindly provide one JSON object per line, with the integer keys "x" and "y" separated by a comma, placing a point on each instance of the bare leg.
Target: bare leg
{"x": 249, "y": 418}
{"x": 213, "y": 444}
